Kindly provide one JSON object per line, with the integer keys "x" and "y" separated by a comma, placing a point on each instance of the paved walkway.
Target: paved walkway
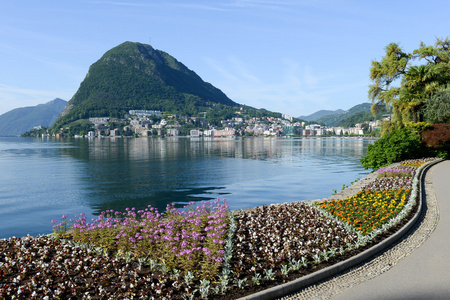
{"x": 417, "y": 267}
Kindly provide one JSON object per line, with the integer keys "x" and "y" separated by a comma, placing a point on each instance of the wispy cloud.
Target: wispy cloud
{"x": 14, "y": 92}
{"x": 121, "y": 3}
{"x": 262, "y": 4}
{"x": 231, "y": 5}
{"x": 296, "y": 90}
{"x": 187, "y": 5}
{"x": 209, "y": 6}
{"x": 13, "y": 97}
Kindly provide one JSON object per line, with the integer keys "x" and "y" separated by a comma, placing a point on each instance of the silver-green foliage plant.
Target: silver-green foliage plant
{"x": 437, "y": 108}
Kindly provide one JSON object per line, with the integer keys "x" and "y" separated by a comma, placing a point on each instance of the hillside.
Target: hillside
{"x": 335, "y": 119}
{"x": 320, "y": 113}
{"x": 136, "y": 76}
{"x": 20, "y": 120}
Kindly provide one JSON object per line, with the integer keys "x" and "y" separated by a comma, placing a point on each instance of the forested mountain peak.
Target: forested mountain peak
{"x": 137, "y": 76}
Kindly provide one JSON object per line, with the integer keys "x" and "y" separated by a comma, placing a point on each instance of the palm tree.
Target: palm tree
{"x": 418, "y": 84}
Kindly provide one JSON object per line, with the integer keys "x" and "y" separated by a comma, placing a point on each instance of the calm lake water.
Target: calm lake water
{"x": 42, "y": 179}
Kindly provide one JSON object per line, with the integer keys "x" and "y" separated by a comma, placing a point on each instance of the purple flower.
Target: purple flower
{"x": 207, "y": 251}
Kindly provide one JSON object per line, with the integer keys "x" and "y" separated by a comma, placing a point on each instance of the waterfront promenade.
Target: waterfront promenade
{"x": 416, "y": 267}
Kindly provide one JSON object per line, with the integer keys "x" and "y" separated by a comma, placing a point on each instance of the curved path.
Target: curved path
{"x": 416, "y": 267}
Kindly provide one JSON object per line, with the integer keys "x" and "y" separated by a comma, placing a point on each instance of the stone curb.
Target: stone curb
{"x": 295, "y": 285}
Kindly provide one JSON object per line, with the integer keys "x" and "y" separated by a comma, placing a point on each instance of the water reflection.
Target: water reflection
{"x": 137, "y": 172}
{"x": 247, "y": 148}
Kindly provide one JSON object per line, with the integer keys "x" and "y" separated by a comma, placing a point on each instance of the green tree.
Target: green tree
{"x": 418, "y": 84}
{"x": 437, "y": 109}
{"x": 405, "y": 87}
{"x": 434, "y": 55}
{"x": 386, "y": 72}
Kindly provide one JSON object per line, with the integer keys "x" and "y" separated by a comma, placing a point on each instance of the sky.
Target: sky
{"x": 290, "y": 56}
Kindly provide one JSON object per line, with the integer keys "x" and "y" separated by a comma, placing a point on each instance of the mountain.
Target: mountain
{"x": 20, "y": 120}
{"x": 335, "y": 119}
{"x": 136, "y": 76}
{"x": 319, "y": 114}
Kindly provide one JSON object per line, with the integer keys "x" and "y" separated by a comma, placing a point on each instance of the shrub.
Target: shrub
{"x": 395, "y": 146}
{"x": 437, "y": 140}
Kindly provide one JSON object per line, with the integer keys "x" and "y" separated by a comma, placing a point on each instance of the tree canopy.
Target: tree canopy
{"x": 405, "y": 81}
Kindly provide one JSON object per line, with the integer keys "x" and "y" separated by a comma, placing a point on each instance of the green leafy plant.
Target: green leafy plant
{"x": 395, "y": 146}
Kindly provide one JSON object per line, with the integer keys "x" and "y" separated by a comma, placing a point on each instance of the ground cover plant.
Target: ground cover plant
{"x": 416, "y": 162}
{"x": 395, "y": 172}
{"x": 368, "y": 210}
{"x": 202, "y": 251}
{"x": 380, "y": 203}
{"x": 284, "y": 238}
{"x": 388, "y": 183}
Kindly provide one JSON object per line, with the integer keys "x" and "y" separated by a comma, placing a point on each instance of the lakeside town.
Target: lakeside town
{"x": 145, "y": 123}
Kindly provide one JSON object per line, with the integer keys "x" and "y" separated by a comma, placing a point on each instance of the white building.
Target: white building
{"x": 287, "y": 117}
{"x": 194, "y": 133}
{"x": 172, "y": 132}
{"x": 144, "y": 113}
{"x": 208, "y": 133}
{"x": 98, "y": 121}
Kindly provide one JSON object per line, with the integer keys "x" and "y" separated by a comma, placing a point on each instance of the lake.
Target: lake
{"x": 42, "y": 178}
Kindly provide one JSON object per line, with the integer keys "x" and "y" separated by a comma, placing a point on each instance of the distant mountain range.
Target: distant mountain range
{"x": 356, "y": 114}
{"x": 136, "y": 76}
{"x": 21, "y": 120}
{"x": 335, "y": 119}
{"x": 320, "y": 113}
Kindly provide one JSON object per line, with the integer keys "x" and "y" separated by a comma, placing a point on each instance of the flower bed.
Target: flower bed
{"x": 203, "y": 251}
{"x": 189, "y": 239}
{"x": 369, "y": 210}
{"x": 395, "y": 172}
{"x": 277, "y": 239}
{"x": 416, "y": 162}
{"x": 388, "y": 183}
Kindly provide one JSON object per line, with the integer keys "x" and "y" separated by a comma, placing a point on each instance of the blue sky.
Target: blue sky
{"x": 289, "y": 56}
